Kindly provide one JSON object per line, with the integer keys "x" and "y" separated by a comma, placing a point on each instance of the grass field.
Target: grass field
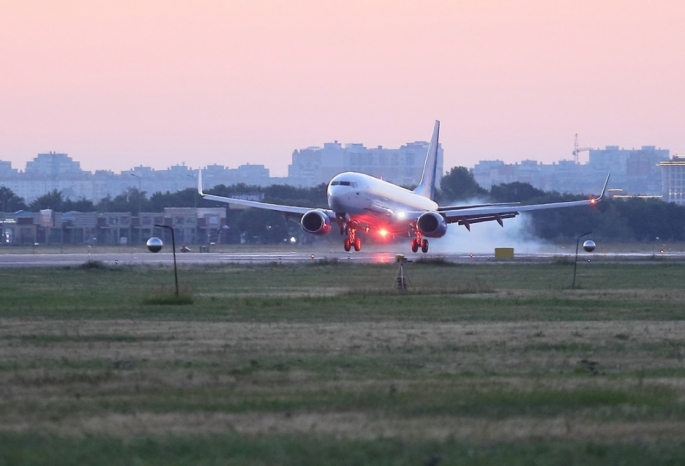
{"x": 326, "y": 363}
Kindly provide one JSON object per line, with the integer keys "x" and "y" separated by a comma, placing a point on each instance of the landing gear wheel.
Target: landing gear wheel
{"x": 424, "y": 245}
{"x": 414, "y": 245}
{"x": 348, "y": 244}
{"x": 357, "y": 244}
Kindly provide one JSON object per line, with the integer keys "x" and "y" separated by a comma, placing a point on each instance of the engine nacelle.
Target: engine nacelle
{"x": 432, "y": 225}
{"x": 316, "y": 222}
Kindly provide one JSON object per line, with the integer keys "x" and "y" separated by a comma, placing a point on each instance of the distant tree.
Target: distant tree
{"x": 80, "y": 205}
{"x": 53, "y": 200}
{"x": 515, "y": 192}
{"x": 652, "y": 218}
{"x": 282, "y": 191}
{"x": 318, "y": 195}
{"x": 458, "y": 185}
{"x": 233, "y": 190}
{"x": 128, "y": 201}
{"x": 262, "y": 226}
{"x": 9, "y": 201}
{"x": 184, "y": 198}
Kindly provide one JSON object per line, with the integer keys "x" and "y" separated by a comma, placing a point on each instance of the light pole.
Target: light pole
{"x": 575, "y": 263}
{"x": 173, "y": 250}
{"x": 140, "y": 190}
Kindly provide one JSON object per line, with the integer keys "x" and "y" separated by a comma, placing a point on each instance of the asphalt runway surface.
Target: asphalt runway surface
{"x": 138, "y": 257}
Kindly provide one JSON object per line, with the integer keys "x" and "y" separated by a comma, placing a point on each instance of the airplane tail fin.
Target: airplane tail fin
{"x": 426, "y": 187}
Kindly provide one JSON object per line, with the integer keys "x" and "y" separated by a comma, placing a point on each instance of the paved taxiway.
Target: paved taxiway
{"x": 166, "y": 258}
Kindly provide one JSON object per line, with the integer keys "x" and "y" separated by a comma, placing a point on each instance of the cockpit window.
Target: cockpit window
{"x": 344, "y": 183}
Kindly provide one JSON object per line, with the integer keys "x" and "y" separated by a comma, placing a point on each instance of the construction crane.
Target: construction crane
{"x": 577, "y": 150}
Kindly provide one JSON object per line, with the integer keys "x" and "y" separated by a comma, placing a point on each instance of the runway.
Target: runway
{"x": 140, "y": 257}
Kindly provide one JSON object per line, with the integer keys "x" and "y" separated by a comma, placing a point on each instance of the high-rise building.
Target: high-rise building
{"x": 52, "y": 164}
{"x": 673, "y": 179}
{"x": 403, "y": 166}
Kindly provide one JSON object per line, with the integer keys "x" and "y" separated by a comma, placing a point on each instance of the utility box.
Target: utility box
{"x": 504, "y": 253}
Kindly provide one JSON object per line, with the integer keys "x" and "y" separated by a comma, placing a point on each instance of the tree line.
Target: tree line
{"x": 632, "y": 219}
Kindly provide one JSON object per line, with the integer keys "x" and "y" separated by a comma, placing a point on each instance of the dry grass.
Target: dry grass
{"x": 483, "y": 360}
{"x": 83, "y": 364}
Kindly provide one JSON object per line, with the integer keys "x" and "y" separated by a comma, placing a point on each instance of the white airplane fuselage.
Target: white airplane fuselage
{"x": 362, "y": 202}
{"x": 356, "y": 193}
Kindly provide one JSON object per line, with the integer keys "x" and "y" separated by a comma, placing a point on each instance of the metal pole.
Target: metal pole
{"x": 140, "y": 223}
{"x": 140, "y": 189}
{"x": 173, "y": 250}
{"x": 575, "y": 263}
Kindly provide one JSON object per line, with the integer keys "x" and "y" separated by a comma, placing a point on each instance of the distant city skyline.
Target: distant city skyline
{"x": 641, "y": 171}
{"x": 122, "y": 84}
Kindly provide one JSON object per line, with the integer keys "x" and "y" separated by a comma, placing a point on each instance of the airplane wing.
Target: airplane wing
{"x": 468, "y": 215}
{"x": 256, "y": 204}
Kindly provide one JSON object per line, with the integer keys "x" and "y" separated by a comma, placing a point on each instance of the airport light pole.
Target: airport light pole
{"x": 140, "y": 223}
{"x": 575, "y": 263}
{"x": 140, "y": 190}
{"x": 173, "y": 250}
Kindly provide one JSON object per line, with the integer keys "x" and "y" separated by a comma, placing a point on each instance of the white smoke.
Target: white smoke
{"x": 484, "y": 237}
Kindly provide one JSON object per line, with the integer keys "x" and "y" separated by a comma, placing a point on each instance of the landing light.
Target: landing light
{"x": 383, "y": 232}
{"x": 401, "y": 215}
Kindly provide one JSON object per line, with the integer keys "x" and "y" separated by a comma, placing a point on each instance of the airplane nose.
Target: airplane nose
{"x": 334, "y": 204}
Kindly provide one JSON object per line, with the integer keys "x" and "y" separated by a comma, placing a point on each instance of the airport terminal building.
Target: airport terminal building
{"x": 191, "y": 225}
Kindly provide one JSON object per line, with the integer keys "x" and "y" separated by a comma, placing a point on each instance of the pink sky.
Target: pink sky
{"x": 157, "y": 83}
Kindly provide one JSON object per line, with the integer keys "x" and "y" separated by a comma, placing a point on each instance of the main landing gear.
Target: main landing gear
{"x": 417, "y": 243}
{"x": 352, "y": 240}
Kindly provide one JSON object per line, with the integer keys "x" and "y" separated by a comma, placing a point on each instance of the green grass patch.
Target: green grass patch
{"x": 77, "y": 338}
{"x": 493, "y": 345}
{"x": 169, "y": 296}
{"x": 303, "y": 450}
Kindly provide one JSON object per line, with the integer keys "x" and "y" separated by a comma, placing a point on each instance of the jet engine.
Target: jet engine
{"x": 316, "y": 222}
{"x": 432, "y": 225}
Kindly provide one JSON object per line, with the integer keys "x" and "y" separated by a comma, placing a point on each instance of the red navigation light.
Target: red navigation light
{"x": 383, "y": 232}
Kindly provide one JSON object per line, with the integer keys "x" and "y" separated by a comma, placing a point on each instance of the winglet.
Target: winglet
{"x": 199, "y": 182}
{"x": 426, "y": 187}
{"x": 604, "y": 189}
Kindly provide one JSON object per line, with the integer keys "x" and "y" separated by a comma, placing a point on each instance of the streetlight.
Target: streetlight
{"x": 140, "y": 223}
{"x": 140, "y": 189}
{"x": 575, "y": 263}
{"x": 155, "y": 245}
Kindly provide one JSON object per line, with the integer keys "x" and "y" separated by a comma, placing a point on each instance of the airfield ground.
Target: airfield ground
{"x": 327, "y": 363}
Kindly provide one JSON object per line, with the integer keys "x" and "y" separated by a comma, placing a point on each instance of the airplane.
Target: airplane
{"x": 357, "y": 201}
